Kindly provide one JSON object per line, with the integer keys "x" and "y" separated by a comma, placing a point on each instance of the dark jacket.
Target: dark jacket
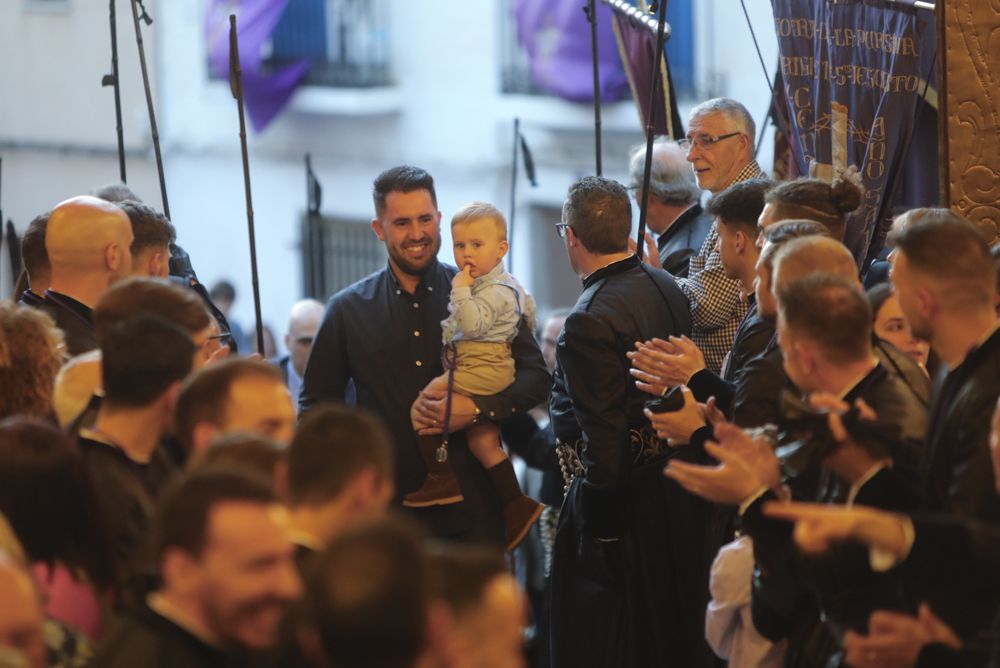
{"x": 76, "y": 320}
{"x": 537, "y": 447}
{"x": 127, "y": 492}
{"x": 147, "y": 639}
{"x": 624, "y": 587}
{"x": 948, "y": 551}
{"x": 752, "y": 339}
{"x": 683, "y": 239}
{"x": 957, "y": 473}
{"x": 790, "y": 592}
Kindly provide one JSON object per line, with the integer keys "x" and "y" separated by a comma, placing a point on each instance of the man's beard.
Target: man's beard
{"x": 410, "y": 267}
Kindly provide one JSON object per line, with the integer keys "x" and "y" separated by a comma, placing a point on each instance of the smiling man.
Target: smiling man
{"x": 228, "y": 576}
{"x": 720, "y": 148}
{"x": 382, "y": 336}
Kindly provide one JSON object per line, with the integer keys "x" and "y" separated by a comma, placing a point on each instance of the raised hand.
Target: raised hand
{"x": 651, "y": 255}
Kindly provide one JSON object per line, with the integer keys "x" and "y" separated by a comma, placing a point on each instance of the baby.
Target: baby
{"x": 486, "y": 307}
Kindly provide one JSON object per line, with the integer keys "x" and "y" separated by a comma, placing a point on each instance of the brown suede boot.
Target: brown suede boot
{"x": 440, "y": 487}
{"x": 519, "y": 511}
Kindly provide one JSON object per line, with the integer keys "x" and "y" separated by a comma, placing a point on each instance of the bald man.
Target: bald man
{"x": 303, "y": 321}
{"x": 87, "y": 241}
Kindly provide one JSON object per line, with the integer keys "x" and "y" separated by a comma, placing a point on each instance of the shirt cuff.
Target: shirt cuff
{"x": 882, "y": 560}
{"x": 749, "y": 501}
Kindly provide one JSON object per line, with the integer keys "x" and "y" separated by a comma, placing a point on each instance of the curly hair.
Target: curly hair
{"x": 30, "y": 357}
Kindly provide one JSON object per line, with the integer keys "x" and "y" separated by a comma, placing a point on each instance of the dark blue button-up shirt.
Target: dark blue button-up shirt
{"x": 385, "y": 344}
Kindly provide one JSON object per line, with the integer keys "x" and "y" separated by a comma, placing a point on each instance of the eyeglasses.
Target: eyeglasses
{"x": 704, "y": 141}
{"x": 224, "y": 338}
{"x": 561, "y": 229}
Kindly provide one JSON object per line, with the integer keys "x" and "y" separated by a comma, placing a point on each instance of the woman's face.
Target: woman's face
{"x": 891, "y": 326}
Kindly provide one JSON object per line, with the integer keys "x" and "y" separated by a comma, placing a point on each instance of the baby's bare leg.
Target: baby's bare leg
{"x": 484, "y": 442}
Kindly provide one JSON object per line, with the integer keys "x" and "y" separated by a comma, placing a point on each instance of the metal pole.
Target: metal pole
{"x": 112, "y": 80}
{"x": 650, "y": 129}
{"x": 513, "y": 193}
{"x": 149, "y": 100}
{"x": 591, "y": 11}
{"x": 236, "y": 83}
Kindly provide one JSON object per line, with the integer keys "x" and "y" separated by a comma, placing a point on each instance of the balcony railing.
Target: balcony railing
{"x": 347, "y": 41}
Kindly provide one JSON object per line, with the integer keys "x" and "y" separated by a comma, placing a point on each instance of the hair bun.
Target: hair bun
{"x": 846, "y": 190}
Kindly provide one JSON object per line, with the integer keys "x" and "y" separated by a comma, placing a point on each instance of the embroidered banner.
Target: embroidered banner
{"x": 853, "y": 73}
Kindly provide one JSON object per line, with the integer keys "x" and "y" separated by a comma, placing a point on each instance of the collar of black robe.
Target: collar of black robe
{"x": 76, "y": 309}
{"x": 876, "y": 374}
{"x": 31, "y": 298}
{"x": 617, "y": 267}
{"x": 421, "y": 285}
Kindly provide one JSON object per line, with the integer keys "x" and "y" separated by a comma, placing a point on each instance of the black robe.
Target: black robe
{"x": 76, "y": 320}
{"x": 625, "y": 586}
{"x": 146, "y": 638}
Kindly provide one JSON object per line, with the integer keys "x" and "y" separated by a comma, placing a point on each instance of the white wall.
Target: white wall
{"x": 446, "y": 114}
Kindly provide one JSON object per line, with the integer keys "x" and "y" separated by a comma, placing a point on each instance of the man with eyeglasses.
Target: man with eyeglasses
{"x": 303, "y": 321}
{"x": 622, "y": 592}
{"x": 720, "y": 148}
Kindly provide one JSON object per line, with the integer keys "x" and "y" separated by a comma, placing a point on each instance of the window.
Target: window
{"x": 337, "y": 253}
{"x": 346, "y": 40}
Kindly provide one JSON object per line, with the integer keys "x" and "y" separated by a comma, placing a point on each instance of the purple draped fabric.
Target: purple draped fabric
{"x": 265, "y": 93}
{"x": 638, "y": 45}
{"x": 556, "y": 35}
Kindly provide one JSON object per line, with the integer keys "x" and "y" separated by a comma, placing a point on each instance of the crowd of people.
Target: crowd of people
{"x": 749, "y": 451}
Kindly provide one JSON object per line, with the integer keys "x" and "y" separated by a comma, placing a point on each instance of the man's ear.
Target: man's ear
{"x": 157, "y": 267}
{"x": 927, "y": 301}
{"x": 180, "y": 571}
{"x": 377, "y": 228}
{"x": 113, "y": 256}
{"x": 806, "y": 354}
{"x": 742, "y": 241}
{"x": 571, "y": 237}
{"x": 363, "y": 488}
{"x": 204, "y": 433}
{"x": 169, "y": 396}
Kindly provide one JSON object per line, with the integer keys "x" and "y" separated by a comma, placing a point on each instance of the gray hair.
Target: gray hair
{"x": 671, "y": 181}
{"x": 733, "y": 111}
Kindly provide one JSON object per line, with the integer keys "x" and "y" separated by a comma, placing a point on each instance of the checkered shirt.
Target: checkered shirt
{"x": 716, "y": 302}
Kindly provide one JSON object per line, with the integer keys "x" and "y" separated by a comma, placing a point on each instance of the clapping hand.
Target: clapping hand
{"x": 745, "y": 466}
{"x": 658, "y": 364}
{"x": 895, "y": 640}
